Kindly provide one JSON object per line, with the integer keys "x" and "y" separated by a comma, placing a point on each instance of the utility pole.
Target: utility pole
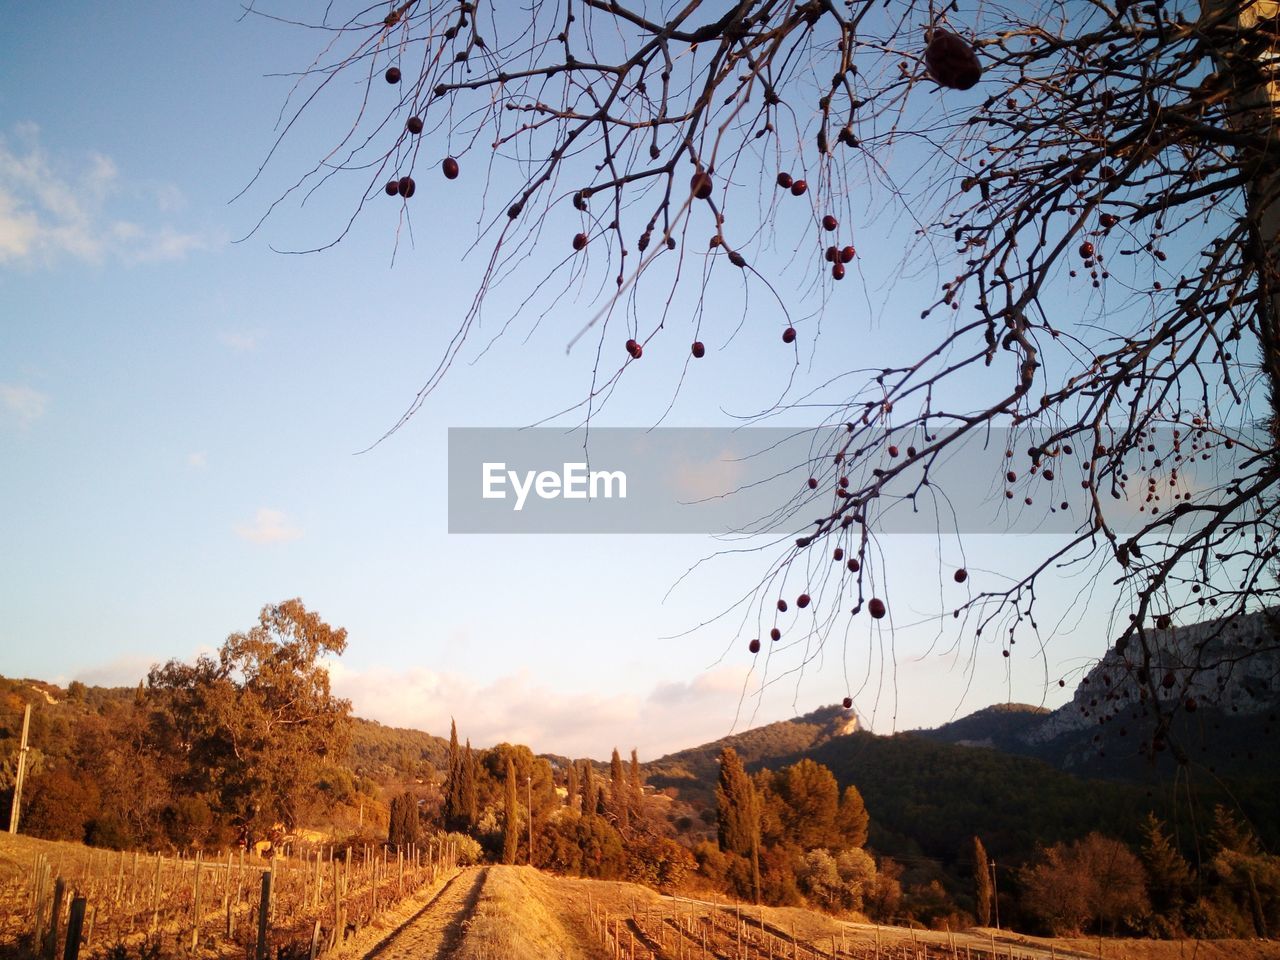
{"x": 995, "y": 893}
{"x": 528, "y": 784}
{"x": 14, "y": 812}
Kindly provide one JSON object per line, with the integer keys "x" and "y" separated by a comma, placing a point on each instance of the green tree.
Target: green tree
{"x": 981, "y": 884}
{"x": 852, "y": 819}
{"x": 636, "y": 782}
{"x": 510, "y": 816}
{"x": 588, "y": 788}
{"x": 403, "y": 825}
{"x": 571, "y": 785}
{"x": 738, "y": 814}
{"x": 253, "y": 726}
{"x": 470, "y": 789}
{"x": 619, "y": 801}
{"x": 811, "y": 799}
{"x": 453, "y": 804}
{"x": 1168, "y": 876}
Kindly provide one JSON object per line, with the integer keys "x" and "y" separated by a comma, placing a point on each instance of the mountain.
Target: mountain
{"x": 694, "y": 770}
{"x": 1223, "y": 675}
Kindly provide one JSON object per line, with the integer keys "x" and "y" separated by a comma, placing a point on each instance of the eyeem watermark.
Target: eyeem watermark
{"x": 575, "y": 481}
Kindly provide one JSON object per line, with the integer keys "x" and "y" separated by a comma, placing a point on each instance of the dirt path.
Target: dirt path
{"x": 435, "y": 931}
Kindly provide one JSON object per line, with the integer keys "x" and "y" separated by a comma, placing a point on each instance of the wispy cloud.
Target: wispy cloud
{"x": 269, "y": 526}
{"x": 21, "y": 404}
{"x": 52, "y": 208}
{"x": 518, "y": 709}
{"x": 240, "y": 340}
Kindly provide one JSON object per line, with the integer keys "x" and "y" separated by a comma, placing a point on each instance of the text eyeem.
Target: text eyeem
{"x": 573, "y": 482}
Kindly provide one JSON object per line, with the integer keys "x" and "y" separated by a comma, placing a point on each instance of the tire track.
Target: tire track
{"x": 435, "y": 931}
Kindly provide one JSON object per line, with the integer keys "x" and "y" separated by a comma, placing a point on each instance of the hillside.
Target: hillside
{"x": 693, "y": 770}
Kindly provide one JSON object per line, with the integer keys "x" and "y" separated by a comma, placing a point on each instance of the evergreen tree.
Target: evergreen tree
{"x": 403, "y": 827}
{"x": 618, "y": 790}
{"x": 981, "y": 884}
{"x": 470, "y": 799}
{"x": 738, "y": 813}
{"x": 588, "y": 788}
{"x": 636, "y": 783}
{"x": 571, "y": 785}
{"x": 1167, "y": 870}
{"x": 453, "y": 791}
{"x": 852, "y": 818}
{"x": 511, "y": 817}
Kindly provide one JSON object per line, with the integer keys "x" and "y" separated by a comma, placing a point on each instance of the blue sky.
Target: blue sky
{"x": 180, "y": 416}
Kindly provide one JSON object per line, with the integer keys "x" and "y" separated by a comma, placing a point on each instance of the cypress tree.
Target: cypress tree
{"x": 470, "y": 801}
{"x": 1169, "y": 873}
{"x": 571, "y": 785}
{"x": 637, "y": 784}
{"x": 618, "y": 790}
{"x": 511, "y": 819}
{"x": 738, "y": 812}
{"x": 981, "y": 884}
{"x": 588, "y": 788}
{"x": 453, "y": 793}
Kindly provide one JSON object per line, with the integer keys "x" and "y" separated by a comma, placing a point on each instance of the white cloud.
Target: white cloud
{"x": 269, "y": 526}
{"x": 197, "y": 460}
{"x": 52, "y": 208}
{"x": 239, "y": 340}
{"x": 518, "y": 709}
{"x": 22, "y": 404}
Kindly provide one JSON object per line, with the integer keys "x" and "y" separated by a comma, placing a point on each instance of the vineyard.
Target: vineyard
{"x": 699, "y": 931}
{"x": 70, "y": 901}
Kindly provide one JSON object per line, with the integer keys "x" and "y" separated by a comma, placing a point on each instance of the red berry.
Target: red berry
{"x": 1062, "y": 683}
{"x": 802, "y": 601}
{"x": 1190, "y": 705}
{"x": 782, "y": 606}
{"x": 838, "y": 554}
{"x": 392, "y": 187}
{"x": 893, "y": 450}
{"x": 961, "y": 575}
{"x": 837, "y": 271}
{"x": 699, "y": 351}
{"x": 414, "y": 125}
{"x": 392, "y": 75}
{"x": 847, "y": 254}
{"x": 875, "y": 607}
{"x": 813, "y": 483}
{"x": 832, "y": 254}
{"x": 1005, "y": 652}
{"x": 406, "y": 187}
{"x": 579, "y": 241}
{"x": 847, "y": 702}
{"x": 634, "y": 349}
{"x": 754, "y": 646}
{"x": 853, "y": 565}
{"x": 449, "y": 167}
{"x": 1086, "y": 250}
{"x": 951, "y": 61}
{"x": 789, "y": 335}
{"x": 775, "y": 634}
{"x": 798, "y": 188}
{"x": 829, "y": 222}
{"x": 784, "y": 181}
{"x": 700, "y": 185}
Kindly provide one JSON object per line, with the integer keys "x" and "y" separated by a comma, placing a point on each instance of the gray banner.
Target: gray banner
{"x": 775, "y": 481}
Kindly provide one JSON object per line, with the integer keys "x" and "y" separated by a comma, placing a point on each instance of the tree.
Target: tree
{"x": 619, "y": 797}
{"x": 1093, "y": 880}
{"x": 403, "y": 827}
{"x": 738, "y": 813}
{"x": 852, "y": 820}
{"x": 981, "y": 884}
{"x": 454, "y": 815}
{"x": 510, "y": 816}
{"x": 252, "y": 727}
{"x": 469, "y": 790}
{"x": 636, "y": 782}
{"x": 1110, "y": 163}
{"x": 811, "y": 800}
{"x": 588, "y": 788}
{"x": 1168, "y": 876}
{"x": 571, "y": 785}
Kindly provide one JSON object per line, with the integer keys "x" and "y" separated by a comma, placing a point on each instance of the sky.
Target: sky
{"x": 182, "y": 410}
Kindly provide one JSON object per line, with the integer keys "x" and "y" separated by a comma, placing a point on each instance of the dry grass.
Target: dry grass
{"x": 518, "y": 917}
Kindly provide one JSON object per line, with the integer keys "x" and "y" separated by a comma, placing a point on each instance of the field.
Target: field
{"x": 377, "y": 906}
